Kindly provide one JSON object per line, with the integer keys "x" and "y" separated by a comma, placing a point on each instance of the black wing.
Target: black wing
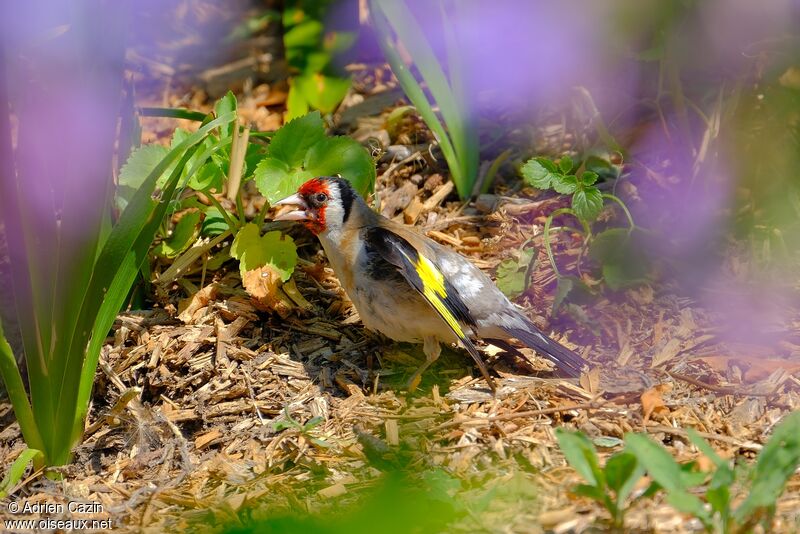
{"x": 426, "y": 278}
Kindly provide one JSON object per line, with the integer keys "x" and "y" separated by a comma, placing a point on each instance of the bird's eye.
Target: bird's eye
{"x": 320, "y": 198}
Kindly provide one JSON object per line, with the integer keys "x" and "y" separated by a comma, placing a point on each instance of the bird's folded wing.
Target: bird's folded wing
{"x": 423, "y": 275}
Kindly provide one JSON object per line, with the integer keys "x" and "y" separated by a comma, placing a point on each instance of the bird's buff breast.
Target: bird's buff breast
{"x": 395, "y": 310}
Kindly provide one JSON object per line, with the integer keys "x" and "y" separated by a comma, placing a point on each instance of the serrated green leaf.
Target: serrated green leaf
{"x": 296, "y": 103}
{"x": 565, "y": 184}
{"x": 224, "y": 105}
{"x": 581, "y": 455}
{"x": 209, "y": 177}
{"x": 588, "y": 177}
{"x": 537, "y": 175}
{"x": 183, "y": 235}
{"x": 324, "y": 93}
{"x": 275, "y": 180}
{"x": 132, "y": 175}
{"x": 273, "y": 248}
{"x": 587, "y": 203}
{"x": 565, "y": 164}
{"x": 345, "y": 157}
{"x": 291, "y": 142}
{"x": 512, "y": 273}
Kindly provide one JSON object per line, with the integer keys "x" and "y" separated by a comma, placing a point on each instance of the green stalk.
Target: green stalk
{"x": 459, "y": 141}
{"x": 16, "y": 392}
{"x": 113, "y": 274}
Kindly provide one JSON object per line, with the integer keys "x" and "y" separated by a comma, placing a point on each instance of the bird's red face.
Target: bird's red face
{"x": 311, "y": 200}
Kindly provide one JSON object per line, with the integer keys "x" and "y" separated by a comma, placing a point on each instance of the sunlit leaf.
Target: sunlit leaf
{"x": 226, "y": 104}
{"x": 273, "y": 249}
{"x": 322, "y": 92}
{"x": 343, "y": 156}
{"x": 275, "y": 180}
{"x": 292, "y": 141}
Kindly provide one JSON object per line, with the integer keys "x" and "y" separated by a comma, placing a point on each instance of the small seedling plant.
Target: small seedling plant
{"x": 729, "y": 499}
{"x": 612, "y": 248}
{"x": 277, "y": 163}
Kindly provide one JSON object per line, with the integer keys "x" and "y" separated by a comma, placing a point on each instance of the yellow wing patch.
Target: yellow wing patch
{"x": 433, "y": 290}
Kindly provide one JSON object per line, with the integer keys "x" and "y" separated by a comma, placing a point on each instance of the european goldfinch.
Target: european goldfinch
{"x": 410, "y": 288}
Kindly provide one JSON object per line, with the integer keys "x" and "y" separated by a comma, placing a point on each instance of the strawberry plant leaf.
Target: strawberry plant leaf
{"x": 183, "y": 235}
{"x": 565, "y": 164}
{"x": 587, "y": 203}
{"x": 588, "y": 178}
{"x": 275, "y": 180}
{"x": 343, "y": 156}
{"x": 226, "y": 104}
{"x": 273, "y": 249}
{"x": 512, "y": 274}
{"x": 296, "y": 103}
{"x": 565, "y": 184}
{"x": 322, "y": 92}
{"x": 291, "y": 142}
{"x": 133, "y": 173}
{"x": 538, "y": 174}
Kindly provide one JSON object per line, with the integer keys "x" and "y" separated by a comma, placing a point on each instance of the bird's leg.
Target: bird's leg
{"x": 432, "y": 350}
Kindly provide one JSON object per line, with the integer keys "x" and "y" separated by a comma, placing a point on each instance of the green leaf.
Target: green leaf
{"x": 537, "y": 175}
{"x": 622, "y": 263}
{"x": 704, "y": 447}
{"x": 17, "y": 470}
{"x": 292, "y": 141}
{"x": 345, "y": 157}
{"x": 513, "y": 274}
{"x": 565, "y": 184}
{"x": 607, "y": 442}
{"x": 209, "y": 177}
{"x": 581, "y": 455}
{"x": 658, "y": 462}
{"x": 313, "y": 422}
{"x": 132, "y": 175}
{"x": 587, "y": 203}
{"x": 183, "y": 235}
{"x": 324, "y": 93}
{"x": 226, "y": 104}
{"x": 776, "y": 463}
{"x": 623, "y": 471}
{"x": 563, "y": 288}
{"x": 588, "y": 178}
{"x": 214, "y": 223}
{"x": 565, "y": 164}
{"x": 593, "y": 492}
{"x": 296, "y": 103}
{"x": 275, "y": 180}
{"x": 273, "y": 248}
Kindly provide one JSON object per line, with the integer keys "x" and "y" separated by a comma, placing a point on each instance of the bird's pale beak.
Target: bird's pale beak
{"x": 296, "y": 215}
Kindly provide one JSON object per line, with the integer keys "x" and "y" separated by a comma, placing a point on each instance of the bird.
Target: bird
{"x": 410, "y": 288}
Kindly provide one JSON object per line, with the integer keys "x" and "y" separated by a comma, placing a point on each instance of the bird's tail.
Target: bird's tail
{"x": 566, "y": 360}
